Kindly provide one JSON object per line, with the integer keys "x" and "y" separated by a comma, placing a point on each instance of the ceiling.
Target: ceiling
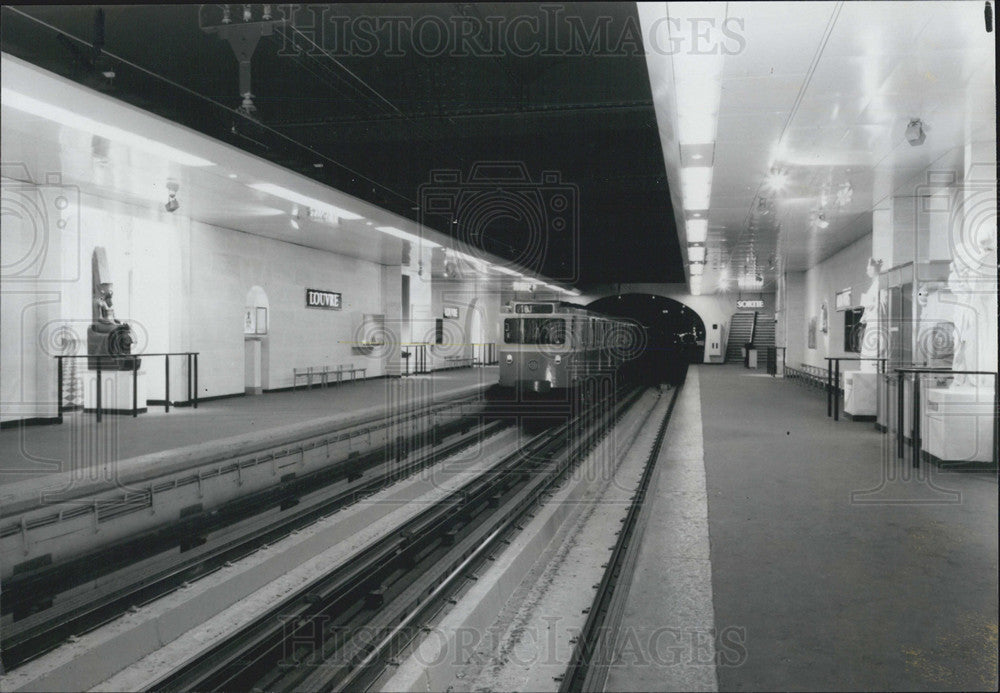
{"x": 820, "y": 93}
{"x": 376, "y": 125}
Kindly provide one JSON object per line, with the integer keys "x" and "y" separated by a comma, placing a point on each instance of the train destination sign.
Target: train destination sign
{"x": 750, "y": 303}
{"x": 328, "y": 300}
{"x": 533, "y": 308}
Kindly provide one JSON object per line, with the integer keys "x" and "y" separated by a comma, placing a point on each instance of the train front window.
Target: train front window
{"x": 534, "y": 331}
{"x": 512, "y": 331}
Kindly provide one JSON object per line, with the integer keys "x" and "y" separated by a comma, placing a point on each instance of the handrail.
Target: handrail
{"x": 753, "y": 327}
{"x": 917, "y": 373}
{"x": 192, "y": 378}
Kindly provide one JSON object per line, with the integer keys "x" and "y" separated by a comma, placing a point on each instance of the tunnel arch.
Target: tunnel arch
{"x": 675, "y": 334}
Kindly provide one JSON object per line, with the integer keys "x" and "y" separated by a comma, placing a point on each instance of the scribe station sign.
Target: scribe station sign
{"x": 328, "y": 300}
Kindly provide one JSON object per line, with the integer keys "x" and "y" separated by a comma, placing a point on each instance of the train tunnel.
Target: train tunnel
{"x": 674, "y": 336}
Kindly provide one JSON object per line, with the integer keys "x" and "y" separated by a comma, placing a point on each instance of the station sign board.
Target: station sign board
{"x": 750, "y": 303}
{"x": 451, "y": 312}
{"x": 328, "y": 300}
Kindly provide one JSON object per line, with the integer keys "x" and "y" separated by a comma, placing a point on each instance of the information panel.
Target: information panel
{"x": 534, "y": 308}
{"x": 328, "y": 300}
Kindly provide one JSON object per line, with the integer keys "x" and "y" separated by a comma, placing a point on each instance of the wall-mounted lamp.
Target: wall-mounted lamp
{"x": 172, "y": 204}
{"x": 915, "y": 134}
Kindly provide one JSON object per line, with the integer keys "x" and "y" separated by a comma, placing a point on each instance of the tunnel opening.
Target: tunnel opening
{"x": 674, "y": 336}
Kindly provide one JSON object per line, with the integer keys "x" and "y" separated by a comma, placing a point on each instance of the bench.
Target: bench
{"x": 813, "y": 376}
{"x": 323, "y": 373}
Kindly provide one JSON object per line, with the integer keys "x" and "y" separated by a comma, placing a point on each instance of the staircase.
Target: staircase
{"x": 740, "y": 329}
{"x": 763, "y": 338}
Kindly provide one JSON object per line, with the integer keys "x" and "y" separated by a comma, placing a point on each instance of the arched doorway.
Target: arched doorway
{"x": 256, "y": 325}
{"x": 675, "y": 335}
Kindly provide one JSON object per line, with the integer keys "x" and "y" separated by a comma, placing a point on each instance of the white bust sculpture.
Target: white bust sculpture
{"x": 872, "y": 342}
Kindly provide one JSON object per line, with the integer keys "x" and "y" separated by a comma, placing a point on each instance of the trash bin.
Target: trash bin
{"x": 749, "y": 351}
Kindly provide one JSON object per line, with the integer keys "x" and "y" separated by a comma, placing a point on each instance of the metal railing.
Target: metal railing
{"x": 192, "y": 379}
{"x": 915, "y": 440}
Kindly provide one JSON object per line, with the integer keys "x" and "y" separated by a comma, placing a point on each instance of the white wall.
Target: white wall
{"x": 846, "y": 268}
{"x": 181, "y": 284}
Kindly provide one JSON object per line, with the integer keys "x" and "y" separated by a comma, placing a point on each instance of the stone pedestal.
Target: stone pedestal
{"x": 116, "y": 391}
{"x": 860, "y": 395}
{"x": 958, "y": 424}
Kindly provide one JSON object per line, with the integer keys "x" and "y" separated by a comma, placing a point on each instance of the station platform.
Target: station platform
{"x": 80, "y": 443}
{"x": 786, "y": 551}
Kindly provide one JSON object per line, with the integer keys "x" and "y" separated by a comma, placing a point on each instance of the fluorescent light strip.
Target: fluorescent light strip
{"x": 292, "y": 196}
{"x": 697, "y": 230}
{"x": 697, "y": 268}
{"x": 696, "y": 187}
{"x": 506, "y": 270}
{"x": 696, "y": 253}
{"x": 17, "y": 100}
{"x": 399, "y": 233}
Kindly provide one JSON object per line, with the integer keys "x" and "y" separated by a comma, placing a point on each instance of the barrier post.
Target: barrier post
{"x": 915, "y": 434}
{"x": 829, "y": 387}
{"x": 135, "y": 387}
{"x": 99, "y": 392}
{"x": 836, "y": 391}
{"x": 899, "y": 416}
{"x": 59, "y": 387}
{"x": 166, "y": 371}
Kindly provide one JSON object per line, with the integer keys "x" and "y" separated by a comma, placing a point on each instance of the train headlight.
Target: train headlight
{"x": 558, "y": 359}
{"x": 510, "y": 358}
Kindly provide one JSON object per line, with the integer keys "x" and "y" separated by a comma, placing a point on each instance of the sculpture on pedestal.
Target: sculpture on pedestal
{"x": 873, "y": 342}
{"x": 109, "y": 341}
{"x": 975, "y": 327}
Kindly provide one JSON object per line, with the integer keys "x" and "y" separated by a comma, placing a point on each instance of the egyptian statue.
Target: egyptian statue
{"x": 109, "y": 341}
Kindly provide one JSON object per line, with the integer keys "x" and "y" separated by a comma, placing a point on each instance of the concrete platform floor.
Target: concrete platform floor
{"x": 80, "y": 442}
{"x": 833, "y": 566}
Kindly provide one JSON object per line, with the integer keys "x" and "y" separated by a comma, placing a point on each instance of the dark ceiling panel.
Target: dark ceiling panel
{"x": 383, "y": 115}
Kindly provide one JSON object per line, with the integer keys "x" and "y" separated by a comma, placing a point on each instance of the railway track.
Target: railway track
{"x": 594, "y": 649}
{"x": 340, "y": 631}
{"x": 54, "y": 602}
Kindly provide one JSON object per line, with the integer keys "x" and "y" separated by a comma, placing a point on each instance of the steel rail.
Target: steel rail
{"x": 481, "y": 543}
{"x": 248, "y": 651}
{"x": 588, "y": 666}
{"x": 98, "y": 607}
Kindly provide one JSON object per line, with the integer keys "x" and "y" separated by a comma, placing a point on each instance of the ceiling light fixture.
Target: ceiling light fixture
{"x": 322, "y": 208}
{"x": 696, "y": 253}
{"x": 406, "y": 236}
{"x": 776, "y": 180}
{"x": 697, "y": 230}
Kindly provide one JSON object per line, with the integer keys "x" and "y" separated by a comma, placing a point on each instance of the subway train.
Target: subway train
{"x": 551, "y": 346}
